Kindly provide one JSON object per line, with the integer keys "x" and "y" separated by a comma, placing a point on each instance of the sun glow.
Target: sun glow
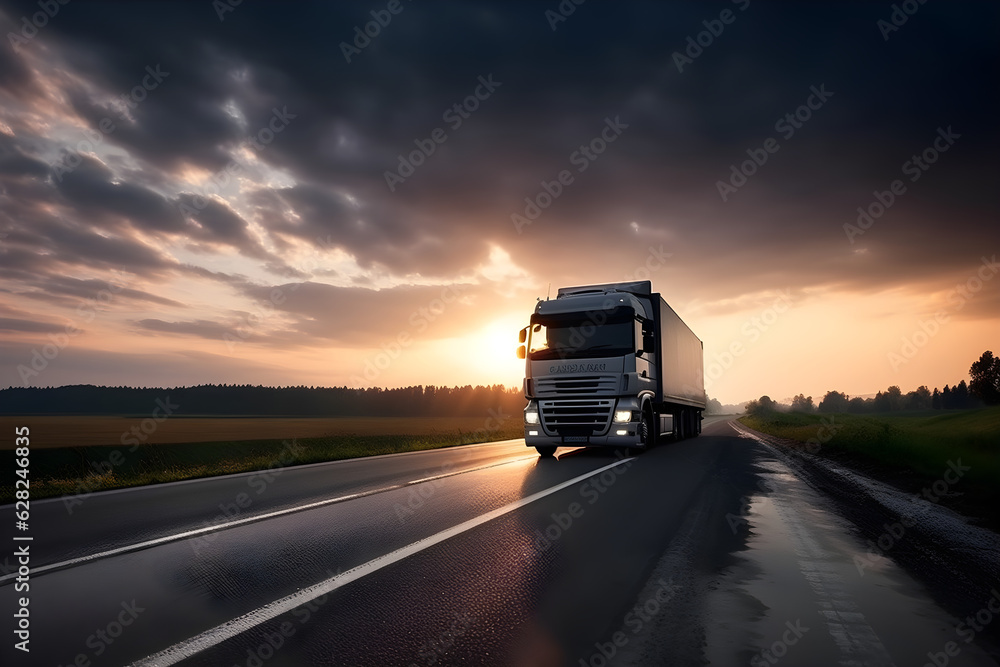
{"x": 495, "y": 351}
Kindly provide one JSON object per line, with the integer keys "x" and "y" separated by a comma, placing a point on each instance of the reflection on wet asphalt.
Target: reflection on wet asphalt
{"x": 708, "y": 550}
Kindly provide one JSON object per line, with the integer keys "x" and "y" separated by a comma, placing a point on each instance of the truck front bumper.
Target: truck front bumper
{"x": 534, "y": 436}
{"x": 586, "y": 415}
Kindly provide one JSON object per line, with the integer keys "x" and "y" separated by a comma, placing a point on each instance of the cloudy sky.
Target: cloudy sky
{"x": 197, "y": 192}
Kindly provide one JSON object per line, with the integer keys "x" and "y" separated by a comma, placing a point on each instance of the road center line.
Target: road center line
{"x": 236, "y": 626}
{"x": 459, "y": 472}
{"x": 138, "y": 546}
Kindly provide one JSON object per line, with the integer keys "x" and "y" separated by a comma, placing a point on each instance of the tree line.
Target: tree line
{"x": 231, "y": 399}
{"x": 982, "y": 390}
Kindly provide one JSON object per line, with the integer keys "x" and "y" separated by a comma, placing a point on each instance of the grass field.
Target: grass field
{"x": 226, "y": 445}
{"x": 83, "y": 431}
{"x": 909, "y": 447}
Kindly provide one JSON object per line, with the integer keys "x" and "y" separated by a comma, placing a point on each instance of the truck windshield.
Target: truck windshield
{"x": 578, "y": 336}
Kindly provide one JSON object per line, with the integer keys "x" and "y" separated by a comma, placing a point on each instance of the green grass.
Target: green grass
{"x": 917, "y": 446}
{"x": 77, "y": 470}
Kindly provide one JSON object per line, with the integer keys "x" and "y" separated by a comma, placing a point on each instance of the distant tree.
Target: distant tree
{"x": 895, "y": 396}
{"x": 985, "y": 383}
{"x": 881, "y": 402}
{"x": 259, "y": 400}
{"x": 936, "y": 399}
{"x": 961, "y": 396}
{"x": 803, "y": 403}
{"x": 946, "y": 400}
{"x": 834, "y": 401}
{"x": 918, "y": 400}
{"x": 714, "y": 407}
{"x": 858, "y": 405}
{"x": 761, "y": 406}
{"x": 925, "y": 397}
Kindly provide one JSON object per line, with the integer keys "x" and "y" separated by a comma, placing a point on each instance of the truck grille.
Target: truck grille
{"x": 576, "y": 417}
{"x": 584, "y": 385}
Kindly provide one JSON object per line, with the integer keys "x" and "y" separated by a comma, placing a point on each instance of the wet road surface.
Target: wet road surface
{"x": 712, "y": 550}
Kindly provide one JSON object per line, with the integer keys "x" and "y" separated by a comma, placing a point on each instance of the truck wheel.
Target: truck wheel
{"x": 647, "y": 432}
{"x": 546, "y": 451}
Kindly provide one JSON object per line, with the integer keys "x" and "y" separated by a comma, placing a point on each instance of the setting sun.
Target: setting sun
{"x": 498, "y": 344}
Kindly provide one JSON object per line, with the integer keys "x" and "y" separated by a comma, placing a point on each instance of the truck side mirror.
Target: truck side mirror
{"x": 522, "y": 335}
{"x": 520, "y": 352}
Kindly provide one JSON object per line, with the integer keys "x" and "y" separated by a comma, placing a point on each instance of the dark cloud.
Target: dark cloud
{"x": 219, "y": 224}
{"x": 358, "y": 317}
{"x": 15, "y": 76}
{"x": 29, "y": 326}
{"x": 15, "y": 321}
{"x": 315, "y": 177}
{"x": 199, "y": 328}
{"x": 100, "y": 367}
{"x": 353, "y": 119}
{"x": 90, "y": 188}
{"x": 14, "y": 162}
{"x": 76, "y": 244}
{"x": 101, "y": 290}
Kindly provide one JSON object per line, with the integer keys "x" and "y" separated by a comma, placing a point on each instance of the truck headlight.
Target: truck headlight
{"x": 623, "y": 416}
{"x": 531, "y": 416}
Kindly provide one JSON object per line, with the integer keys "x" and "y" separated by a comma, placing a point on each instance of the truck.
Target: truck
{"x": 609, "y": 365}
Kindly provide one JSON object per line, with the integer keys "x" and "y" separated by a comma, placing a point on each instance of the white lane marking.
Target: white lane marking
{"x": 229, "y": 629}
{"x": 302, "y": 466}
{"x": 138, "y": 546}
{"x": 742, "y": 430}
{"x": 459, "y": 472}
{"x": 858, "y": 643}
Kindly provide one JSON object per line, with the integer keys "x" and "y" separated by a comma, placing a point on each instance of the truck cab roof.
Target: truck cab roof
{"x": 592, "y": 298}
{"x": 634, "y": 287}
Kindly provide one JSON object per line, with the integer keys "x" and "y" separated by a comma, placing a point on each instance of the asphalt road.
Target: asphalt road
{"x": 710, "y": 550}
